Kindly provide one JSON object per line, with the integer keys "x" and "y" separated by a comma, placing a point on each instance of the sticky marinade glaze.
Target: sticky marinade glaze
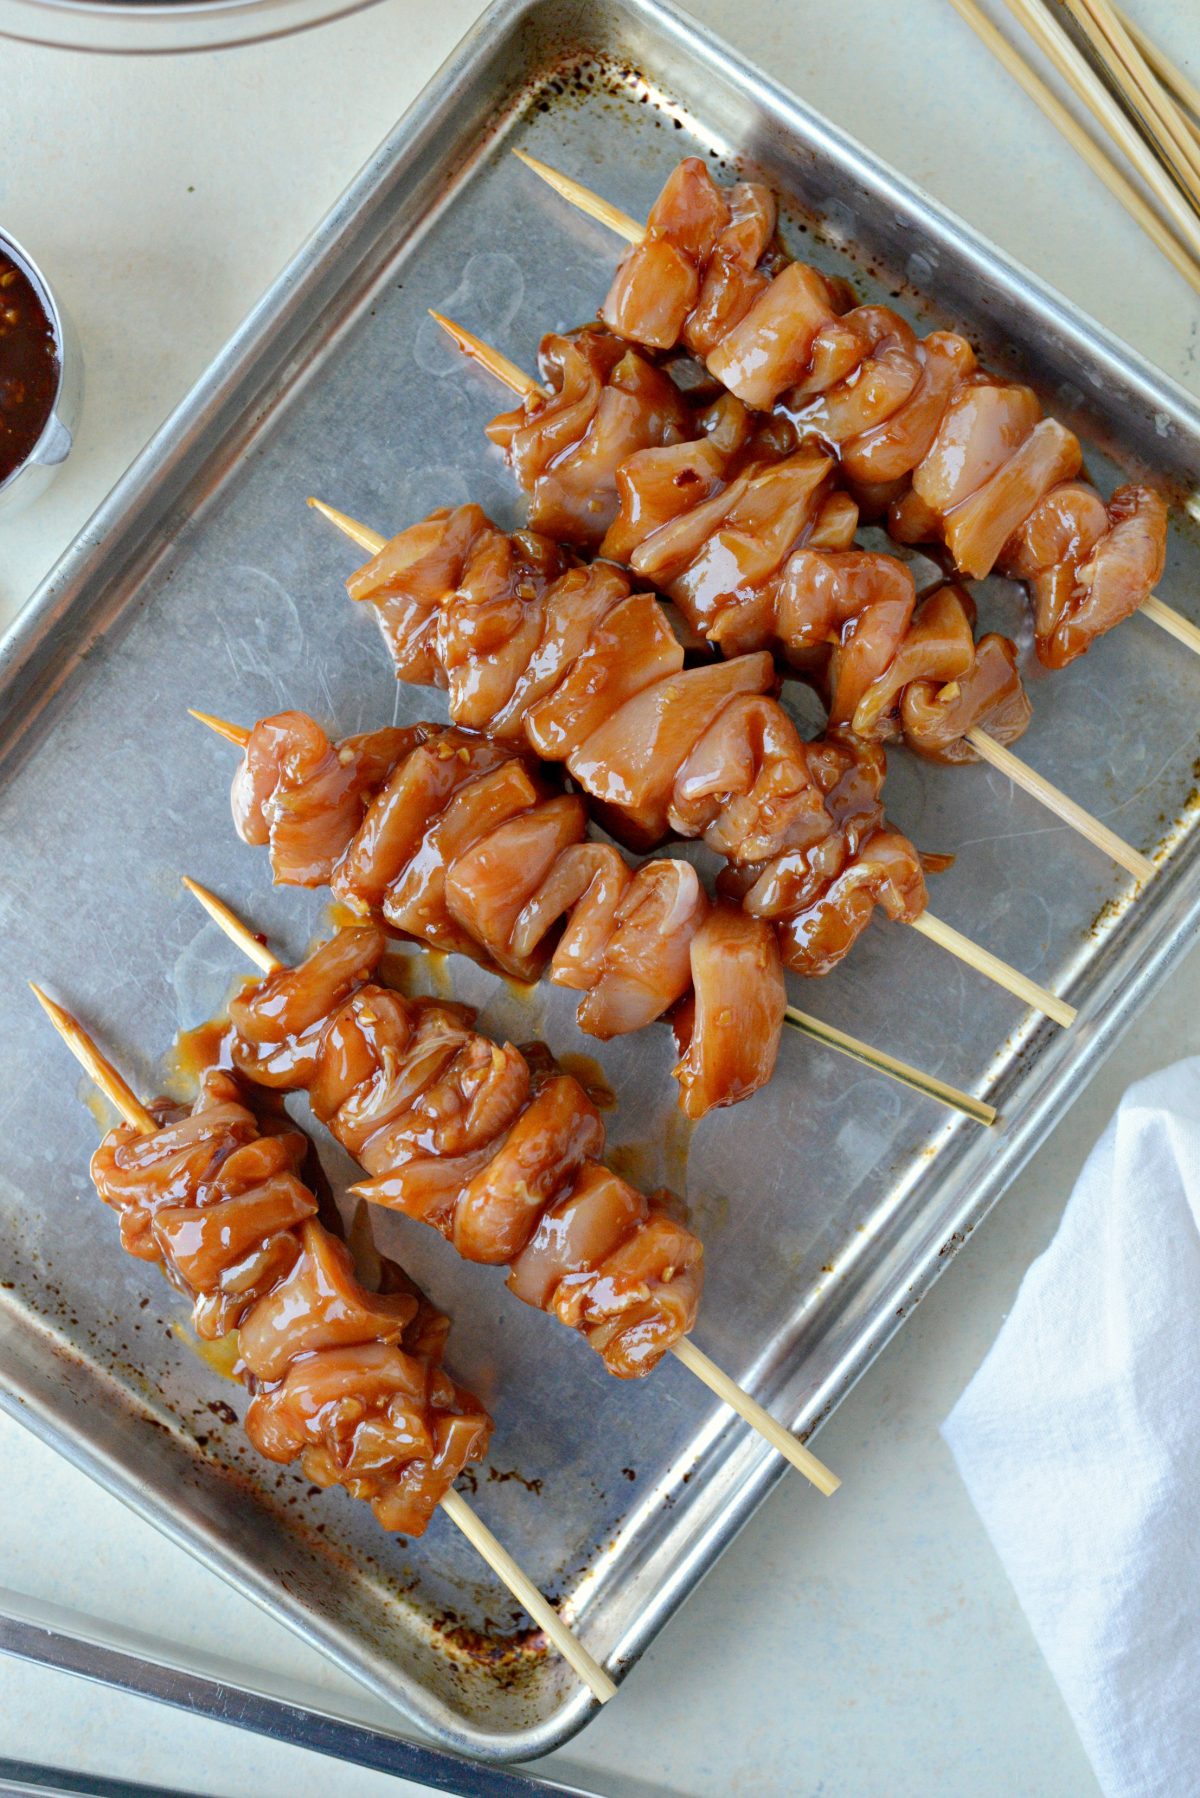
{"x": 533, "y": 647}
{"x": 499, "y": 1153}
{"x": 748, "y": 532}
{"x": 952, "y": 455}
{"x": 456, "y": 840}
{"x": 348, "y": 1382}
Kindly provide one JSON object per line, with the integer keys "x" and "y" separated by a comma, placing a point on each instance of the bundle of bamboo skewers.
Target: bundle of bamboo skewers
{"x": 1147, "y": 108}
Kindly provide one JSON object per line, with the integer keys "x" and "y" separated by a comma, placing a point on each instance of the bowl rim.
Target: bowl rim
{"x": 164, "y": 27}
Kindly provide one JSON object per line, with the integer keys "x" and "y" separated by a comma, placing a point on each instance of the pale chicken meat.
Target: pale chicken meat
{"x": 729, "y": 1030}
{"x": 697, "y": 270}
{"x": 629, "y": 715}
{"x": 466, "y": 848}
{"x": 1089, "y": 565}
{"x": 599, "y": 403}
{"x": 950, "y": 453}
{"x": 764, "y": 560}
{"x": 467, "y": 1135}
{"x": 820, "y": 895}
{"x": 345, "y": 1381}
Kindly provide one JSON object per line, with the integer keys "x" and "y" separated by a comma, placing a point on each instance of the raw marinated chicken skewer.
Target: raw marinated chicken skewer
{"x": 592, "y": 676}
{"x": 953, "y": 455}
{"x": 454, "y": 840}
{"x": 757, "y": 554}
{"x": 743, "y": 528}
{"x": 349, "y": 1382}
{"x": 502, "y": 1156}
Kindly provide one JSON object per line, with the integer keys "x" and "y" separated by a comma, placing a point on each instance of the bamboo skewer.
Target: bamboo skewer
{"x": 1055, "y": 800}
{"x": 1140, "y": 86}
{"x": 1182, "y": 90}
{"x": 1170, "y": 620}
{"x": 982, "y": 960}
{"x": 1036, "y": 785}
{"x": 584, "y": 200}
{"x": 1059, "y": 49}
{"x": 692, "y": 1358}
{"x": 114, "y": 1088}
{"x": 1113, "y": 177}
{"x": 1189, "y": 267}
{"x": 928, "y": 1085}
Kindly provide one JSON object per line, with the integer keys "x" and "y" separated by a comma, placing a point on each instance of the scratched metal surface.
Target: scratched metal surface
{"x": 831, "y": 1201}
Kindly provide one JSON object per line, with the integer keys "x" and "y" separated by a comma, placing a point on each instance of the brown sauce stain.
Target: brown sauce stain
{"x": 221, "y": 1356}
{"x": 396, "y": 971}
{"x": 508, "y": 1657}
{"x": 502, "y": 1475}
{"x": 194, "y": 1052}
{"x": 647, "y": 1164}
{"x": 438, "y": 963}
{"x": 591, "y": 1076}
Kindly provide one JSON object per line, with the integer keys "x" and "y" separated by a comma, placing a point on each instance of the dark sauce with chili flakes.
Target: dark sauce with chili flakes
{"x": 29, "y": 366}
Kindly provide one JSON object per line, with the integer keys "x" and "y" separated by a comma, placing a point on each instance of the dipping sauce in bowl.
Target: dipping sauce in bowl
{"x": 29, "y": 365}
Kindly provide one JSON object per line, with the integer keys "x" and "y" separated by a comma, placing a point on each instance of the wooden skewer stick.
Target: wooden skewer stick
{"x": 453, "y": 1503}
{"x": 584, "y": 199}
{"x": 1057, "y": 801}
{"x": 982, "y": 960}
{"x": 697, "y": 1362}
{"x": 1020, "y": 985}
{"x": 1065, "y": 123}
{"x": 1170, "y": 620}
{"x": 504, "y": 370}
{"x": 97, "y": 1066}
{"x": 928, "y": 1085}
{"x": 1140, "y": 86}
{"x": 232, "y": 733}
{"x": 1079, "y": 75}
{"x": 1185, "y": 91}
{"x": 1187, "y": 265}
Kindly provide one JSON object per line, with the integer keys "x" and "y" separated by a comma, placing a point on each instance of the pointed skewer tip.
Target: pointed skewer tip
{"x": 228, "y": 921}
{"x": 233, "y": 733}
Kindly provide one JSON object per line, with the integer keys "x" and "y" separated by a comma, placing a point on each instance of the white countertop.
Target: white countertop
{"x": 865, "y": 1645}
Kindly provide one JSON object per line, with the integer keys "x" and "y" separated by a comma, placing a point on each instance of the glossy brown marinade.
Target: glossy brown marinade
{"x": 952, "y": 454}
{"x": 592, "y": 676}
{"x": 606, "y": 401}
{"x": 29, "y": 366}
{"x": 499, "y": 1154}
{"x": 747, "y": 530}
{"x": 349, "y": 1382}
{"x": 458, "y": 842}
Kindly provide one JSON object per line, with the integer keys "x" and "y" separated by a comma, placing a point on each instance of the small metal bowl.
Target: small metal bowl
{"x": 32, "y": 476}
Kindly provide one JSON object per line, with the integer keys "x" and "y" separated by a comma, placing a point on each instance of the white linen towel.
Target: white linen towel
{"x": 1079, "y": 1443}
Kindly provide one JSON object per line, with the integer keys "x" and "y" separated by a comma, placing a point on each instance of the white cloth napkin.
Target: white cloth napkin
{"x": 1079, "y": 1443}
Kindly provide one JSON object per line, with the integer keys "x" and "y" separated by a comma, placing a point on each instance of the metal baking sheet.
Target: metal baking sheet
{"x": 829, "y": 1203}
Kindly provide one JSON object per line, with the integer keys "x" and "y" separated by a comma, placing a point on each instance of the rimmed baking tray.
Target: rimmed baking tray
{"x": 828, "y": 1204}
